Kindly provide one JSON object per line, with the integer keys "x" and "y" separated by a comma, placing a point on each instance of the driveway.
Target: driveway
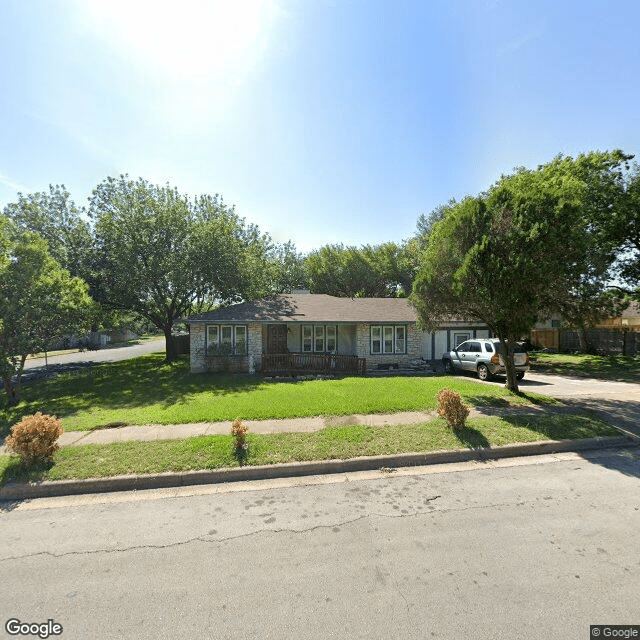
{"x": 109, "y": 354}
{"x": 615, "y": 402}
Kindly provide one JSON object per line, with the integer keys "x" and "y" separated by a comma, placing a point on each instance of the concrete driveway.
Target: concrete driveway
{"x": 109, "y": 354}
{"x": 615, "y": 402}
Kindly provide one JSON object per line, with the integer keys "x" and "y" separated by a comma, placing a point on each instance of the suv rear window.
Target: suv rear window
{"x": 488, "y": 347}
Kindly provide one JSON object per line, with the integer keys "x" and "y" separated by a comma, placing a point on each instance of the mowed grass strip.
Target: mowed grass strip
{"x": 146, "y": 391}
{"x": 215, "y": 452}
{"x": 625, "y": 368}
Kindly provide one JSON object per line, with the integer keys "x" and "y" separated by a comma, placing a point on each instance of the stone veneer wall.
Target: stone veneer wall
{"x": 197, "y": 348}
{"x": 363, "y": 346}
{"x": 250, "y": 362}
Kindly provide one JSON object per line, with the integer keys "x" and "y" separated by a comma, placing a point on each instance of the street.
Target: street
{"x": 526, "y": 548}
{"x": 109, "y": 354}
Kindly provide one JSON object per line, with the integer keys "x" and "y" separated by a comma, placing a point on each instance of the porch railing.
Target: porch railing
{"x": 310, "y": 363}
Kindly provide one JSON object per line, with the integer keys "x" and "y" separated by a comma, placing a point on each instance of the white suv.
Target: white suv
{"x": 484, "y": 357}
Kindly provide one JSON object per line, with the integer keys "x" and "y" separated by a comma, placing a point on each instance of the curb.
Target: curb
{"x": 50, "y": 488}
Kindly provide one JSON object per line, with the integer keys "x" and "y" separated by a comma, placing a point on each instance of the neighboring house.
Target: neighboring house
{"x": 383, "y": 331}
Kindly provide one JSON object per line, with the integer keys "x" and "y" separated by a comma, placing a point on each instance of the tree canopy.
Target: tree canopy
{"x": 40, "y": 302}
{"x": 383, "y": 270}
{"x": 522, "y": 250}
{"x": 162, "y": 255}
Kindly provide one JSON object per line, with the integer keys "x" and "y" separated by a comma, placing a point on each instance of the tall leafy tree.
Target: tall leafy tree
{"x": 369, "y": 271}
{"x": 56, "y": 218}
{"x": 520, "y": 251}
{"x": 161, "y": 255}
{"x": 40, "y": 301}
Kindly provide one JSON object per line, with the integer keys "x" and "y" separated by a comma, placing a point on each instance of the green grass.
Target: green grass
{"x": 623, "y": 368}
{"x": 214, "y": 452}
{"x": 146, "y": 391}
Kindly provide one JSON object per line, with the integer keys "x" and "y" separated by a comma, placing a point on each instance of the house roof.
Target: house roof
{"x": 311, "y": 307}
{"x": 632, "y": 311}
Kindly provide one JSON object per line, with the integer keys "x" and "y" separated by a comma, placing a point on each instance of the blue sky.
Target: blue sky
{"x": 322, "y": 121}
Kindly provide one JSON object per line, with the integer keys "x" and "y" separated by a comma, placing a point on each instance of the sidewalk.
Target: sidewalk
{"x": 178, "y": 431}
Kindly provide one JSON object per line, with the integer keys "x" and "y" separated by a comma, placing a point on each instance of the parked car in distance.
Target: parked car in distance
{"x": 483, "y": 357}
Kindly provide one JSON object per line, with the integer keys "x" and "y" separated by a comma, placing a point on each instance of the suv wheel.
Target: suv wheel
{"x": 483, "y": 372}
{"x": 448, "y": 367}
{"x": 519, "y": 375}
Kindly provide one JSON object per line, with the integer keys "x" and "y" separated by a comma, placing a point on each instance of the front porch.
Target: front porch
{"x": 291, "y": 364}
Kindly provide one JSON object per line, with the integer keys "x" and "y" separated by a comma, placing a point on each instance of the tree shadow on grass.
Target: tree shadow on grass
{"x": 472, "y": 438}
{"x": 138, "y": 382}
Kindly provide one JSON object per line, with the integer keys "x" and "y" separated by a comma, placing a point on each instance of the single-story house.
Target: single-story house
{"x": 303, "y": 330}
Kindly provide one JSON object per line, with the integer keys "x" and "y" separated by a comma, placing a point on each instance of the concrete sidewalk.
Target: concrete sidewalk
{"x": 152, "y": 432}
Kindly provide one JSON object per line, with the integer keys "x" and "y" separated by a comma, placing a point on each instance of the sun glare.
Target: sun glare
{"x": 185, "y": 38}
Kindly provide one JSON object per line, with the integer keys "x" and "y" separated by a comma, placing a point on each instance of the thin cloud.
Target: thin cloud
{"x": 8, "y": 182}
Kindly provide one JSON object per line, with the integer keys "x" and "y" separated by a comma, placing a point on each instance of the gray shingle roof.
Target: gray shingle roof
{"x": 312, "y": 307}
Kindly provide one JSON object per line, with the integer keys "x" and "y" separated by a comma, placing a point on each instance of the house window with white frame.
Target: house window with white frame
{"x": 226, "y": 340}
{"x": 319, "y": 338}
{"x": 388, "y": 339}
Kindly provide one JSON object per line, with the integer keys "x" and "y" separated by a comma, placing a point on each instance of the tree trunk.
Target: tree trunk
{"x": 512, "y": 382}
{"x": 170, "y": 344}
{"x": 13, "y": 392}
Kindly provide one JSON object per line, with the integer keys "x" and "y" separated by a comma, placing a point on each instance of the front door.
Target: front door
{"x": 277, "y": 338}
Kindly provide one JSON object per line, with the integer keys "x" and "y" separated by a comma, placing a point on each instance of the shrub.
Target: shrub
{"x": 452, "y": 409}
{"x": 239, "y": 432}
{"x": 34, "y": 438}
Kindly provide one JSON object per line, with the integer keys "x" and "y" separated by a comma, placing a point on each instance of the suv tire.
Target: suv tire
{"x": 483, "y": 372}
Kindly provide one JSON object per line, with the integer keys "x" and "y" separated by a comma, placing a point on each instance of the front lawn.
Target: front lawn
{"x": 214, "y": 452}
{"x": 146, "y": 391}
{"x": 624, "y": 368}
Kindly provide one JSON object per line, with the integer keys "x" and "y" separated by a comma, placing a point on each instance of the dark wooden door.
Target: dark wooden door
{"x": 277, "y": 338}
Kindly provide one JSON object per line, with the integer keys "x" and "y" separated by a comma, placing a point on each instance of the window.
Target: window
{"x": 241, "y": 339}
{"x": 459, "y": 338}
{"x": 488, "y": 347}
{"x": 388, "y": 339}
{"x": 319, "y": 338}
{"x": 331, "y": 338}
{"x": 307, "y": 338}
{"x": 226, "y": 339}
{"x": 212, "y": 335}
{"x": 376, "y": 339}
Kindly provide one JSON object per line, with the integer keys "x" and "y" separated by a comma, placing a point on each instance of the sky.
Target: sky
{"x": 322, "y": 121}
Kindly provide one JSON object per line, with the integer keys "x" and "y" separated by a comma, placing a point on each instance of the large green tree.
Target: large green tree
{"x": 56, "y": 218}
{"x": 161, "y": 255}
{"x": 522, "y": 250}
{"x": 383, "y": 270}
{"x": 40, "y": 302}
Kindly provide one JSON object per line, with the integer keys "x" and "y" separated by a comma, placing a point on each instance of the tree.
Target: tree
{"x": 520, "y": 251}
{"x": 161, "y": 255}
{"x": 56, "y": 218}
{"x": 368, "y": 271}
{"x": 40, "y": 302}
{"x": 624, "y": 229}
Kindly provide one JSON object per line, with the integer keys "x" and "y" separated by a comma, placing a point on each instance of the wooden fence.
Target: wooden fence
{"x": 310, "y": 363}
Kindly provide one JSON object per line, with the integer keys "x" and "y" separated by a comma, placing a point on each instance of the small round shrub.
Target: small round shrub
{"x": 451, "y": 408}
{"x": 34, "y": 438}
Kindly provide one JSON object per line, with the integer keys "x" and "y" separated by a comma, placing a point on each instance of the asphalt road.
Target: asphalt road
{"x": 110, "y": 354}
{"x": 524, "y": 548}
